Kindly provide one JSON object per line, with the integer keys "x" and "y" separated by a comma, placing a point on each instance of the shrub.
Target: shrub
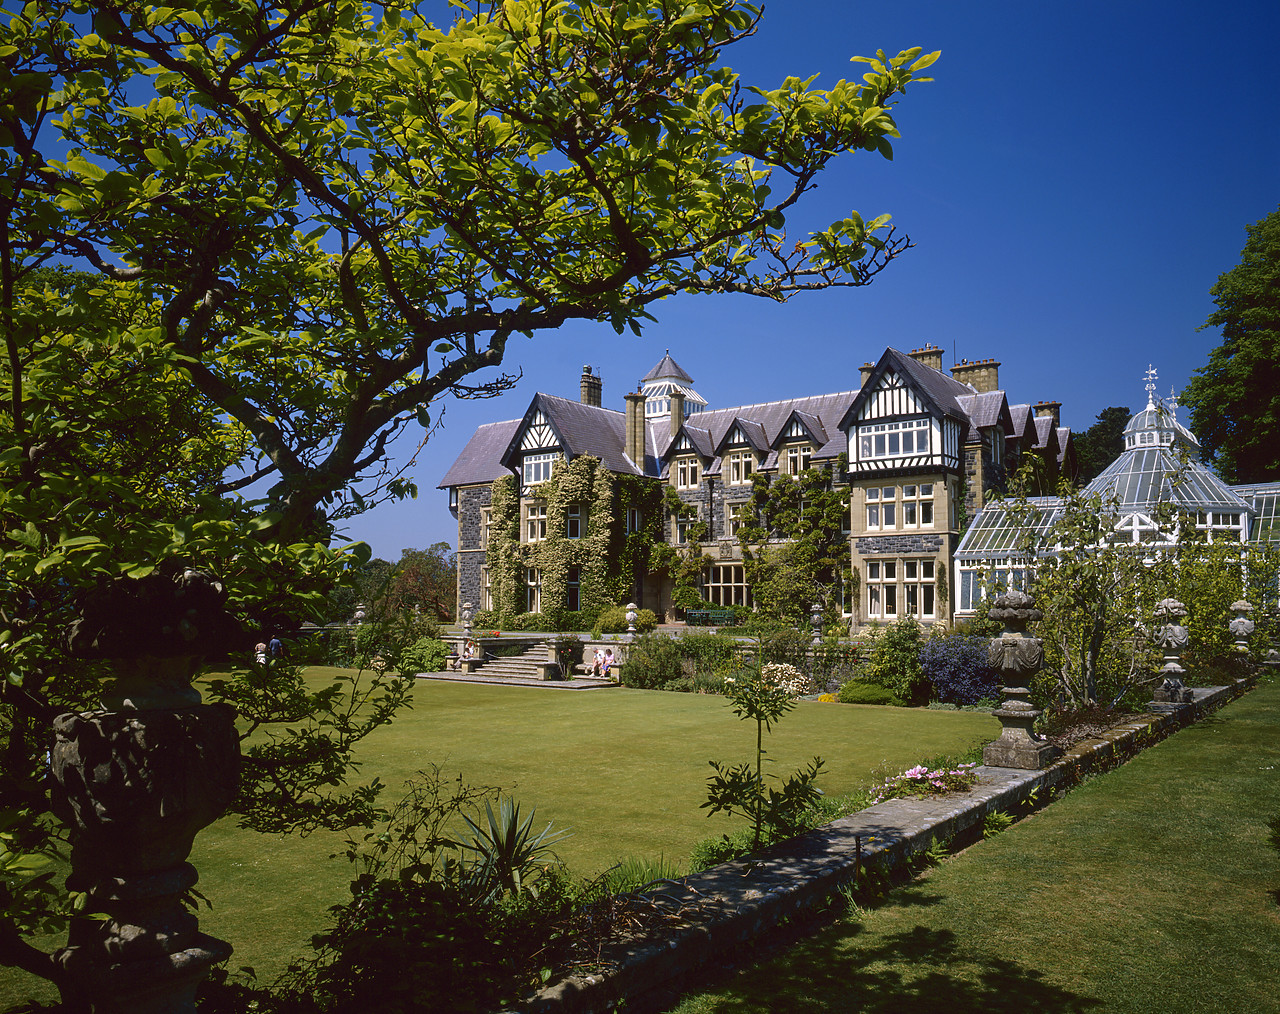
{"x": 864, "y": 692}
{"x": 958, "y": 668}
{"x": 427, "y": 654}
{"x": 894, "y": 662}
{"x": 614, "y": 621}
{"x": 653, "y": 662}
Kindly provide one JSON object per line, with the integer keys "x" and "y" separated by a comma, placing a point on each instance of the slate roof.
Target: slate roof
{"x": 481, "y": 460}
{"x": 585, "y": 429}
{"x": 768, "y": 419}
{"x": 1047, "y": 435}
{"x": 667, "y": 369}
{"x": 1021, "y": 417}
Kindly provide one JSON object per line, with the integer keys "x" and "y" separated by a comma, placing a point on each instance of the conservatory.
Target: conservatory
{"x": 1158, "y": 471}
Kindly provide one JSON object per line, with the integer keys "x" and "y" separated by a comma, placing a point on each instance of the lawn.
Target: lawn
{"x": 1150, "y": 889}
{"x": 625, "y": 769}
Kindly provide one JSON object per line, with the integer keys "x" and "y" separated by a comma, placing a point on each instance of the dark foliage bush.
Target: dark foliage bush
{"x": 863, "y": 692}
{"x": 894, "y": 661}
{"x": 653, "y": 662}
{"x": 958, "y": 669}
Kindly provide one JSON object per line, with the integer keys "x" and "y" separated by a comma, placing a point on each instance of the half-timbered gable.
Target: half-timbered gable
{"x": 905, "y": 418}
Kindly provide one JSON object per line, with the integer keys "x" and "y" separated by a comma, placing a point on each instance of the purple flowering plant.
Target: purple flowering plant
{"x": 922, "y": 782}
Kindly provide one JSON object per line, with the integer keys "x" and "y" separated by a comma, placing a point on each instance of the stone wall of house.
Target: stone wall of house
{"x": 471, "y": 556}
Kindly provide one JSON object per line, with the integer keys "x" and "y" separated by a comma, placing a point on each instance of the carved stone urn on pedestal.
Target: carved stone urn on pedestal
{"x": 1241, "y": 626}
{"x": 1173, "y": 638}
{"x": 135, "y": 782}
{"x": 1017, "y": 656}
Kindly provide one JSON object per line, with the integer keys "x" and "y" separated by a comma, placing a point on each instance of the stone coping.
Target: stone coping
{"x": 729, "y": 905}
{"x": 577, "y": 683}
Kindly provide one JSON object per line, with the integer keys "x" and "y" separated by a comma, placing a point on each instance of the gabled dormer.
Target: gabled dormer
{"x": 535, "y": 446}
{"x": 905, "y": 417}
{"x": 797, "y": 441}
{"x": 741, "y": 450}
{"x": 687, "y": 457}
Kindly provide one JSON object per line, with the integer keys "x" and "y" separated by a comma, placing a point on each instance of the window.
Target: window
{"x": 895, "y": 439}
{"x": 734, "y": 514}
{"x": 882, "y": 507}
{"x": 882, "y": 588}
{"x": 573, "y": 590}
{"x": 536, "y": 522}
{"x": 486, "y": 588}
{"x": 634, "y": 519}
{"x": 726, "y": 585}
{"x": 741, "y": 464}
{"x": 486, "y": 522}
{"x": 684, "y": 525}
{"x": 453, "y": 498}
{"x": 533, "y": 589}
{"x": 572, "y": 521}
{"x": 917, "y": 506}
{"x": 798, "y": 456}
{"x": 687, "y": 473}
{"x": 917, "y": 576}
{"x": 537, "y": 467}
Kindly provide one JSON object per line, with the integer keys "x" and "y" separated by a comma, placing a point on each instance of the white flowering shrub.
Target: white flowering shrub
{"x": 787, "y": 678}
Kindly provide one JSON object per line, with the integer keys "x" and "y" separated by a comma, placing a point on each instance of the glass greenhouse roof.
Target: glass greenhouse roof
{"x": 999, "y": 530}
{"x": 1144, "y": 476}
{"x": 1265, "y": 500}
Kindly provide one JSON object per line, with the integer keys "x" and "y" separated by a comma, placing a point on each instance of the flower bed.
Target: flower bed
{"x": 924, "y": 783}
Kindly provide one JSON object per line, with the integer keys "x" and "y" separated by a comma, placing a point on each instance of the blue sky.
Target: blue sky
{"x": 1074, "y": 179}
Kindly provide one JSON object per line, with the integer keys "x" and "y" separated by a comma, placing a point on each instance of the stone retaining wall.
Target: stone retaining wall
{"x": 731, "y": 904}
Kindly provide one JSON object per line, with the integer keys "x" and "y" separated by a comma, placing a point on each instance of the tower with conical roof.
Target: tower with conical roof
{"x": 661, "y": 382}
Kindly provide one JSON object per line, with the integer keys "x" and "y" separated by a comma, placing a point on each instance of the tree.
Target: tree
{"x": 310, "y": 220}
{"x": 1235, "y": 397}
{"x": 425, "y": 580}
{"x": 1102, "y": 442}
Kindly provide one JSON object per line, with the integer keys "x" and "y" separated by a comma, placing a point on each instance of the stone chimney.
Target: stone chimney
{"x": 591, "y": 387}
{"x": 634, "y": 446}
{"x": 930, "y": 356}
{"x": 1053, "y": 409}
{"x": 866, "y": 372}
{"x": 677, "y": 411}
{"x": 983, "y": 375}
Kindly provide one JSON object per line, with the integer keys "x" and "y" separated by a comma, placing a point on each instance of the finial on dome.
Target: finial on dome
{"x": 1151, "y": 386}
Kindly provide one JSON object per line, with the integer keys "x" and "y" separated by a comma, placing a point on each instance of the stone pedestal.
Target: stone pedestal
{"x": 1017, "y": 656}
{"x": 134, "y": 783}
{"x": 1173, "y": 637}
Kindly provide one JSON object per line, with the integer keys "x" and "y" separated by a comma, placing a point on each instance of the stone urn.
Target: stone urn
{"x": 135, "y": 782}
{"x": 1241, "y": 626}
{"x": 1172, "y": 637}
{"x": 1017, "y": 656}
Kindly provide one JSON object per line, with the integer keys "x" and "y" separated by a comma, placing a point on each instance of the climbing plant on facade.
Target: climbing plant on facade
{"x": 795, "y": 545}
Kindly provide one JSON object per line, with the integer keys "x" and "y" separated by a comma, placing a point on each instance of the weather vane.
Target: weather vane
{"x": 1151, "y": 385}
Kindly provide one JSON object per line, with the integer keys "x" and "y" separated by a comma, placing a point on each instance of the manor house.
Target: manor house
{"x": 575, "y": 505}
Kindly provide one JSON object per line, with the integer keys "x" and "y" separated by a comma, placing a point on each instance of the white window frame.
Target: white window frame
{"x": 741, "y": 465}
{"x": 536, "y": 468}
{"x": 635, "y": 519}
{"x": 533, "y": 589}
{"x": 798, "y": 458}
{"x": 687, "y": 470}
{"x": 882, "y": 589}
{"x": 486, "y": 588}
{"x": 917, "y": 501}
{"x": 882, "y": 508}
{"x": 535, "y": 521}
{"x": 573, "y": 521}
{"x": 733, "y": 517}
{"x": 920, "y": 591}
{"x": 890, "y": 439}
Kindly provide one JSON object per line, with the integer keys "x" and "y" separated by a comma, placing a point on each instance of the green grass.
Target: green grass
{"x": 625, "y": 769}
{"x": 1150, "y": 889}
